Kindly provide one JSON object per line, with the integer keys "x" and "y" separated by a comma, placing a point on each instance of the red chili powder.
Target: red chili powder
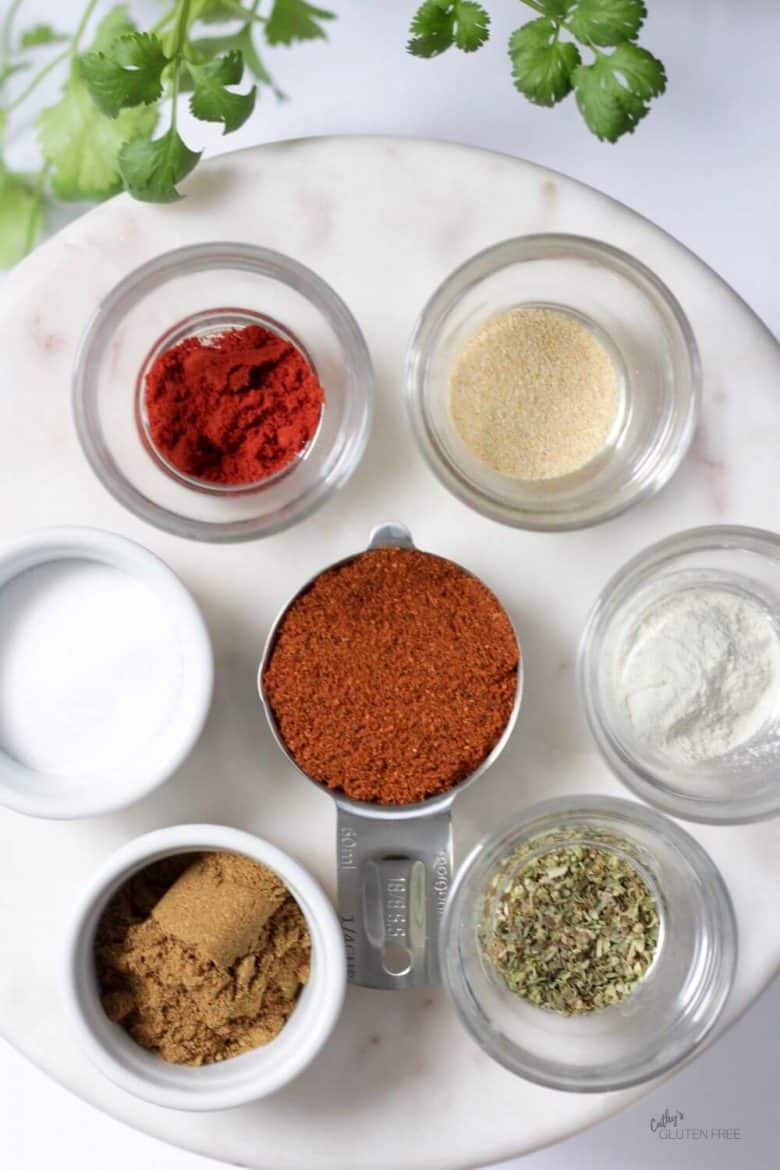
{"x": 234, "y": 408}
{"x": 393, "y": 676}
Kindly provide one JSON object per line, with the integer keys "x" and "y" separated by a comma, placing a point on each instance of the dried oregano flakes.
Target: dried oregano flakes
{"x": 573, "y": 930}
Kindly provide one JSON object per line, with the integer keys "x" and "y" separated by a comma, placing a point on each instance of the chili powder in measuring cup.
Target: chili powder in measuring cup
{"x": 393, "y": 676}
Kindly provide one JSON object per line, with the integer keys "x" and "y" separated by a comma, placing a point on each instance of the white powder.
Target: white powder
{"x": 701, "y": 674}
{"x": 534, "y": 394}
{"x": 90, "y": 668}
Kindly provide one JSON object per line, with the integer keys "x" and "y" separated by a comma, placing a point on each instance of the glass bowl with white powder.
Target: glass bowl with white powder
{"x": 552, "y": 381}
{"x": 679, "y": 672}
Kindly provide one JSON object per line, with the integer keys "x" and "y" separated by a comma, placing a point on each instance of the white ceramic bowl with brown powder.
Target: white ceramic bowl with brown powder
{"x": 144, "y": 990}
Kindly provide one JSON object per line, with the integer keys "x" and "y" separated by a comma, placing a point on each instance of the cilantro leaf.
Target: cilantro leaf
{"x": 437, "y": 25}
{"x": 555, "y": 8}
{"x": 613, "y": 93}
{"x": 212, "y": 102}
{"x": 432, "y": 30}
{"x": 607, "y": 22}
{"x": 202, "y": 49}
{"x": 21, "y": 215}
{"x": 129, "y": 74}
{"x": 115, "y": 24}
{"x": 542, "y": 65}
{"x": 472, "y": 26}
{"x": 40, "y": 34}
{"x": 151, "y": 169}
{"x": 81, "y": 145}
{"x": 295, "y": 20}
{"x": 213, "y": 11}
{"x": 246, "y": 46}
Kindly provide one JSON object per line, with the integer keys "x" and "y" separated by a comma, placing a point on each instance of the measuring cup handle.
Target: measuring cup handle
{"x": 392, "y": 896}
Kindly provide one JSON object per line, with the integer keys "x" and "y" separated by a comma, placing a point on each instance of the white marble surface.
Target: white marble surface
{"x": 368, "y": 215}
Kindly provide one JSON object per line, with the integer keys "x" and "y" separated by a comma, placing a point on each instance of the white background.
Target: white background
{"x": 705, "y": 166}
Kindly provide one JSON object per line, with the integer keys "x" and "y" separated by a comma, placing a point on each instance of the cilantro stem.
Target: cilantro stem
{"x": 38, "y": 78}
{"x": 8, "y": 24}
{"x": 164, "y": 20}
{"x": 82, "y": 24}
{"x": 35, "y": 207}
{"x": 5, "y": 55}
{"x": 250, "y": 15}
{"x": 177, "y": 47}
{"x": 182, "y": 17}
{"x": 70, "y": 51}
{"x": 175, "y": 82}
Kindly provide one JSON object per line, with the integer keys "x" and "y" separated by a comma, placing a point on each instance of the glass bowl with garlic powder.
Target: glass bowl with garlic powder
{"x": 552, "y": 381}
{"x": 590, "y": 945}
{"x": 679, "y": 674}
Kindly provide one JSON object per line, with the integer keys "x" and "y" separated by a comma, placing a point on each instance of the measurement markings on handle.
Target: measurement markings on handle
{"x": 349, "y": 930}
{"x": 441, "y": 881}
{"x": 348, "y": 843}
{"x": 396, "y": 900}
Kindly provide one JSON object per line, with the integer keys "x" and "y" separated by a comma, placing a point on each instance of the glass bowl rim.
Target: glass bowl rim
{"x": 184, "y": 262}
{"x": 485, "y": 263}
{"x": 621, "y": 810}
{"x": 612, "y": 597}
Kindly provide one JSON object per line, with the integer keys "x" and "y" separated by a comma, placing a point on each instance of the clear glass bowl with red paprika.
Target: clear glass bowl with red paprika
{"x": 247, "y": 320}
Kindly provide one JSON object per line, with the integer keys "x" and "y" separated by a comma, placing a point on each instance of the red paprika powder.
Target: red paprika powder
{"x": 232, "y": 408}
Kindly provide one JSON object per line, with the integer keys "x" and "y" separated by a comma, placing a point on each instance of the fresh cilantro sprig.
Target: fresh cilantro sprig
{"x": 613, "y": 89}
{"x": 101, "y": 134}
{"x": 438, "y": 25}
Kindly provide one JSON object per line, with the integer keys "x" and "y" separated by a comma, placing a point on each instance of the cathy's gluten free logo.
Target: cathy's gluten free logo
{"x": 669, "y": 1119}
{"x": 671, "y": 1126}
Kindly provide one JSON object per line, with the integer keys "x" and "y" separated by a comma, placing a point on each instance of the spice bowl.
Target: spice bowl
{"x": 670, "y": 1011}
{"x": 639, "y": 324}
{"x": 199, "y": 292}
{"x": 719, "y": 682}
{"x": 233, "y": 1081}
{"x": 106, "y": 672}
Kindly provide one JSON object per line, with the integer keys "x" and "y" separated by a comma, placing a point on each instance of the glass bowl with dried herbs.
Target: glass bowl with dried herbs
{"x": 590, "y": 945}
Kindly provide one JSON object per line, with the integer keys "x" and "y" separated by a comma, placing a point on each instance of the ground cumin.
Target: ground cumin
{"x": 393, "y": 677}
{"x": 202, "y": 957}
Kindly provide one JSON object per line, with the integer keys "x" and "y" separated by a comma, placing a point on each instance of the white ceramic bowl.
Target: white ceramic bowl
{"x": 57, "y": 584}
{"x": 243, "y": 1078}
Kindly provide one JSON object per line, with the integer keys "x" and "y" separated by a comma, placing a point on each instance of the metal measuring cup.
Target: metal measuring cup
{"x": 394, "y": 862}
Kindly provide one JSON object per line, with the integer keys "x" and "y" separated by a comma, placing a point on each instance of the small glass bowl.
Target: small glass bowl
{"x": 629, "y": 310}
{"x": 736, "y": 788}
{"x": 189, "y": 292}
{"x": 667, "y": 1015}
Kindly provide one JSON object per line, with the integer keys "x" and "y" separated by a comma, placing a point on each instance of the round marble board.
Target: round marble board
{"x": 400, "y": 1085}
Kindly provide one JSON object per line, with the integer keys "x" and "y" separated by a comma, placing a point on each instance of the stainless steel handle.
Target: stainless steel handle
{"x": 391, "y": 536}
{"x": 393, "y": 879}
